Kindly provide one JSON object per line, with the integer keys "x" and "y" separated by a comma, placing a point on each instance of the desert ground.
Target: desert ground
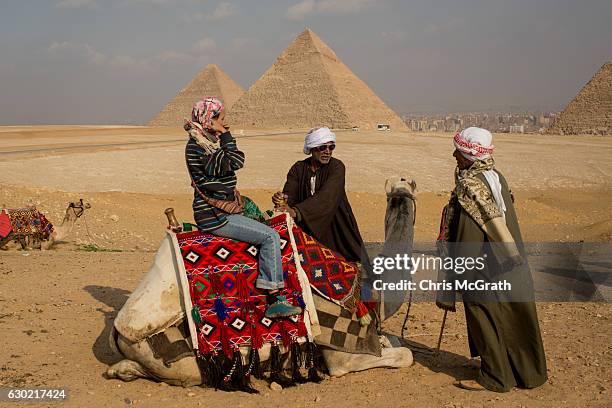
{"x": 56, "y": 307}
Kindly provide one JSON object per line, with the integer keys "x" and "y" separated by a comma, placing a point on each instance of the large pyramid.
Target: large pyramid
{"x": 591, "y": 110}
{"x": 211, "y": 81}
{"x": 309, "y": 86}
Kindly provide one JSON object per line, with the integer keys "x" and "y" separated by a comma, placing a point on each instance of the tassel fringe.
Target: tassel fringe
{"x": 254, "y": 368}
{"x": 311, "y": 363}
{"x": 296, "y": 363}
{"x": 276, "y": 368}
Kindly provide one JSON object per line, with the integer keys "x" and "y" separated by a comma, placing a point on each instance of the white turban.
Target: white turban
{"x": 474, "y": 143}
{"x": 318, "y": 137}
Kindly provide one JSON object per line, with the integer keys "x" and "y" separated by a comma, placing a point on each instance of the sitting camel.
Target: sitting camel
{"x": 157, "y": 307}
{"x": 30, "y": 229}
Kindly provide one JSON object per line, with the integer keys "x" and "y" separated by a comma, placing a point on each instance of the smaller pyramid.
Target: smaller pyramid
{"x": 309, "y": 86}
{"x": 591, "y": 110}
{"x": 211, "y": 81}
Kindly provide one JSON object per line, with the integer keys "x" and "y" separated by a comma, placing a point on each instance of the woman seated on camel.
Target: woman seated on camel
{"x": 212, "y": 160}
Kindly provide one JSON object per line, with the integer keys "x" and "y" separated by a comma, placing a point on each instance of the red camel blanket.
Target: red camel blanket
{"x": 227, "y": 308}
{"x": 25, "y": 222}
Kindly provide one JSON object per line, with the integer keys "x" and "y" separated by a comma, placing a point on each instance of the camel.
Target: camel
{"x": 158, "y": 306}
{"x": 36, "y": 240}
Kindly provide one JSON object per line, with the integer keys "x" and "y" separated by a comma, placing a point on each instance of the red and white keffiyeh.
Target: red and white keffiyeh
{"x": 474, "y": 143}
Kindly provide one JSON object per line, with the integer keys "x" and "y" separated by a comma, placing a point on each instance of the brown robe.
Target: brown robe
{"x": 505, "y": 334}
{"x": 326, "y": 215}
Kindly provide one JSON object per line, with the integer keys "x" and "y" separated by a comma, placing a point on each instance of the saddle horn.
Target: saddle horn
{"x": 173, "y": 223}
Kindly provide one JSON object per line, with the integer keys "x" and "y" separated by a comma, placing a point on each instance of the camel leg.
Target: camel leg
{"x": 141, "y": 363}
{"x": 46, "y": 245}
{"x": 340, "y": 363}
{"x": 127, "y": 370}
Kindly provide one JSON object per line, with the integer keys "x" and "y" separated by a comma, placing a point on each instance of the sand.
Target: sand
{"x": 56, "y": 307}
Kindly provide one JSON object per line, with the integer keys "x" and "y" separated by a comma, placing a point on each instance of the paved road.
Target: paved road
{"x": 84, "y": 146}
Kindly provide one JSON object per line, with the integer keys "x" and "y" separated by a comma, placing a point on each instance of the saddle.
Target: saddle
{"x": 25, "y": 224}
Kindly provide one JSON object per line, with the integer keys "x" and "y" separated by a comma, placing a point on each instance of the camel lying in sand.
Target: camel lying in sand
{"x": 43, "y": 234}
{"x": 157, "y": 306}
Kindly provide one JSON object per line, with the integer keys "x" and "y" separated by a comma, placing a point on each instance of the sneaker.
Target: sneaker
{"x": 282, "y": 308}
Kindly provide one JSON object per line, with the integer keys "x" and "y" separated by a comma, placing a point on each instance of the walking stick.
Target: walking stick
{"x": 407, "y": 313}
{"x": 441, "y": 331}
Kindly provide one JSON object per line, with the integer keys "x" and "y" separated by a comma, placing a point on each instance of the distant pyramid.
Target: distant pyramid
{"x": 309, "y": 86}
{"x": 591, "y": 110}
{"x": 211, "y": 81}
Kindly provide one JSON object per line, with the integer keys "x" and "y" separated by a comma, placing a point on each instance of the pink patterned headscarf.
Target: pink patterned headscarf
{"x": 201, "y": 119}
{"x": 206, "y": 109}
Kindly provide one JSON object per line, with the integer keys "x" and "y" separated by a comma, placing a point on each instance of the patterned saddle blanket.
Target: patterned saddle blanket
{"x": 228, "y": 310}
{"x": 25, "y": 222}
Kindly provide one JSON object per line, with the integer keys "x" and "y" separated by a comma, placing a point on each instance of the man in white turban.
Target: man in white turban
{"x": 315, "y": 197}
{"x": 480, "y": 222}
{"x": 318, "y": 137}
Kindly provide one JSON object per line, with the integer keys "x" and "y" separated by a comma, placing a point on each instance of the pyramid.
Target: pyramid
{"x": 211, "y": 81}
{"x": 591, "y": 110}
{"x": 309, "y": 86}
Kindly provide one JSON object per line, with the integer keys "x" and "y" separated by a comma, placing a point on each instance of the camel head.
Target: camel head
{"x": 398, "y": 186}
{"x": 77, "y": 208}
{"x": 401, "y": 209}
{"x": 401, "y": 204}
{"x": 74, "y": 211}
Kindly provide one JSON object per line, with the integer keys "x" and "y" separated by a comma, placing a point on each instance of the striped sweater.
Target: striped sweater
{"x": 214, "y": 175}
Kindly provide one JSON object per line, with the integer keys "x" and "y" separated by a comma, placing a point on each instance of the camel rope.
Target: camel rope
{"x": 89, "y": 235}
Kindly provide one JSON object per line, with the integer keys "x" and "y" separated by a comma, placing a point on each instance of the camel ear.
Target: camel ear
{"x": 413, "y": 185}
{"x": 391, "y": 181}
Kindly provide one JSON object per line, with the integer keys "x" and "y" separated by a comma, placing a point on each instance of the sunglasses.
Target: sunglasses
{"x": 324, "y": 147}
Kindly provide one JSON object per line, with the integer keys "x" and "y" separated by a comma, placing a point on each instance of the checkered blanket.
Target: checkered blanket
{"x": 341, "y": 330}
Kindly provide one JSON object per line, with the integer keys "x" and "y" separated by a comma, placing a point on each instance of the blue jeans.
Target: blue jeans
{"x": 244, "y": 229}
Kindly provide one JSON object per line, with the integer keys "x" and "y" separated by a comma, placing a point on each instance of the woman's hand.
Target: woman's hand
{"x": 218, "y": 127}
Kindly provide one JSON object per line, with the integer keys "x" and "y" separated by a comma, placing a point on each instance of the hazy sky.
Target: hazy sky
{"x": 120, "y": 61}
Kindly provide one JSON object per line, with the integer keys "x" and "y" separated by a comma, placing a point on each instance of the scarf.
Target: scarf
{"x": 486, "y": 207}
{"x": 474, "y": 196}
{"x": 203, "y": 138}
{"x": 201, "y": 119}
